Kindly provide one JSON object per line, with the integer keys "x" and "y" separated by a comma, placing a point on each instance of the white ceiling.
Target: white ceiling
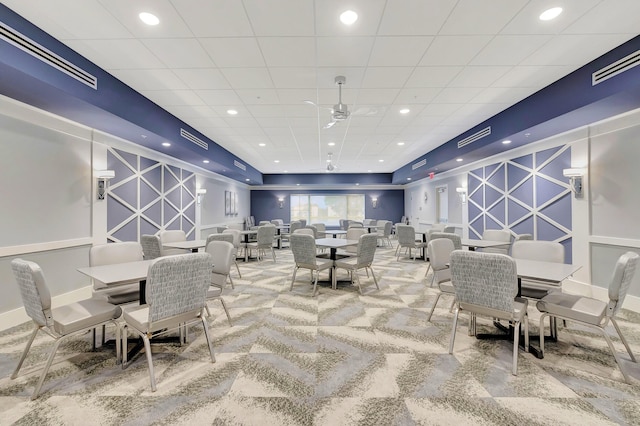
{"x": 453, "y": 63}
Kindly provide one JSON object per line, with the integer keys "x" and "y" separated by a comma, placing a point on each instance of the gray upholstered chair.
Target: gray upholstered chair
{"x": 354, "y": 233}
{"x": 487, "y": 284}
{"x": 407, "y": 240}
{"x": 304, "y": 250}
{"x": 592, "y": 312}
{"x": 314, "y": 229}
{"x": 151, "y": 246}
{"x": 221, "y": 255}
{"x": 295, "y": 224}
{"x": 320, "y": 230}
{"x": 230, "y": 238}
{"x": 384, "y": 232}
{"x": 187, "y": 275}
{"x": 264, "y": 242}
{"x": 440, "y": 250}
{"x": 237, "y": 243}
{"x": 366, "y": 250}
{"x": 172, "y": 236}
{"x": 61, "y": 322}
{"x": 305, "y": 231}
{"x": 449, "y": 229}
{"x": 497, "y": 235}
{"x": 455, "y": 239}
{"x": 108, "y": 254}
{"x": 546, "y": 251}
{"x": 277, "y": 222}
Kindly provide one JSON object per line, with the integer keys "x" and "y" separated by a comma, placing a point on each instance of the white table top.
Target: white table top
{"x": 483, "y": 243}
{"x": 190, "y": 245}
{"x": 118, "y": 272}
{"x": 336, "y": 232}
{"x": 335, "y": 242}
{"x": 545, "y": 271}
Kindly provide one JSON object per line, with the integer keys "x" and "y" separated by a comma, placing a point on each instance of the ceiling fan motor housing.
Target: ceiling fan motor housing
{"x": 340, "y": 112}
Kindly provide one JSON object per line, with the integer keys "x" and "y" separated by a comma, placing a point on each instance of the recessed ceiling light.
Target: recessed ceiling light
{"x": 232, "y": 112}
{"x": 247, "y": 179}
{"x": 400, "y": 143}
{"x": 507, "y": 142}
{"x": 405, "y": 111}
{"x": 348, "y": 17}
{"x": 357, "y": 184}
{"x": 297, "y": 184}
{"x": 166, "y": 144}
{"x": 286, "y": 171}
{"x": 408, "y": 178}
{"x": 380, "y": 161}
{"x": 331, "y": 143}
{"x": 262, "y": 144}
{"x": 550, "y": 14}
{"x": 458, "y": 159}
{"x": 276, "y": 161}
{"x": 149, "y": 18}
{"x": 205, "y": 161}
{"x": 368, "y": 171}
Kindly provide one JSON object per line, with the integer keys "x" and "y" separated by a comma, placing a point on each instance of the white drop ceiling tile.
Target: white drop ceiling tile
{"x": 327, "y": 14}
{"x": 363, "y": 121}
{"x": 305, "y": 122}
{"x": 474, "y": 76}
{"x": 414, "y": 17}
{"x": 296, "y": 96}
{"x": 250, "y": 133}
{"x": 326, "y": 77}
{"x": 171, "y": 23}
{"x": 258, "y": 96}
{"x": 266, "y": 110}
{"x": 173, "y": 97}
{"x": 454, "y": 50}
{"x": 502, "y": 95}
{"x": 347, "y": 52}
{"x": 360, "y": 110}
{"x": 229, "y": 52}
{"x": 575, "y": 50}
{"x": 398, "y": 51}
{"x": 202, "y": 78}
{"x": 117, "y": 54}
{"x": 599, "y": 19}
{"x": 280, "y": 17}
{"x": 292, "y": 78}
{"x": 237, "y": 122}
{"x": 288, "y": 51}
{"x": 209, "y": 122}
{"x": 179, "y": 53}
{"x": 510, "y": 49}
{"x": 153, "y": 79}
{"x": 424, "y": 121}
{"x": 417, "y": 95}
{"x": 395, "y": 120}
{"x": 377, "y": 96}
{"x": 277, "y": 133}
{"x": 386, "y": 77}
{"x": 440, "y": 109}
{"x": 215, "y": 18}
{"x": 272, "y": 122}
{"x": 432, "y": 76}
{"x": 527, "y": 21}
{"x": 248, "y": 78}
{"x": 302, "y": 110}
{"x": 227, "y": 98}
{"x": 481, "y": 17}
{"x": 192, "y": 111}
{"x": 534, "y": 76}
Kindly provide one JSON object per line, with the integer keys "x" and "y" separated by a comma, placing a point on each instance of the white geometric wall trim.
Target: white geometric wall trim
{"x": 527, "y": 194}
{"x": 147, "y": 196}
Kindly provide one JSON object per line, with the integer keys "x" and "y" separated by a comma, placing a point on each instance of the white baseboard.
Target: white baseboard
{"x": 18, "y": 316}
{"x": 631, "y": 303}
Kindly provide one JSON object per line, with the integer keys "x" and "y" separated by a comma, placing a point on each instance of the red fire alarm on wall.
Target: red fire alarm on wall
{"x": 431, "y": 175}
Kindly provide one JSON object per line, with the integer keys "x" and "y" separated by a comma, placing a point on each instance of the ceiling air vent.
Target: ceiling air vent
{"x": 419, "y": 164}
{"x": 191, "y": 138}
{"x": 239, "y": 165}
{"x": 478, "y": 135}
{"x": 32, "y": 48}
{"x": 616, "y": 68}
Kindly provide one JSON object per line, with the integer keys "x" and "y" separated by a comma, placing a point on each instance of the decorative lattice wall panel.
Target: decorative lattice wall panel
{"x": 528, "y": 195}
{"x": 147, "y": 196}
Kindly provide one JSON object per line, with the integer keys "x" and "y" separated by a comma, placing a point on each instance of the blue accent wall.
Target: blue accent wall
{"x": 265, "y": 206}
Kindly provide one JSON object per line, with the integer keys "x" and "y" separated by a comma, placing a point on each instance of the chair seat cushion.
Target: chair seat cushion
{"x": 213, "y": 292}
{"x": 446, "y": 287}
{"x": 138, "y": 318}
{"x": 83, "y": 314}
{"x": 573, "y": 306}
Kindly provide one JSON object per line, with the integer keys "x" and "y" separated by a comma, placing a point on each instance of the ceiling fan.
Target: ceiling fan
{"x": 340, "y": 111}
{"x": 330, "y": 166}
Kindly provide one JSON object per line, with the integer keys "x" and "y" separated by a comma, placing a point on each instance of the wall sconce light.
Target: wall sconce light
{"x": 374, "y": 202}
{"x": 103, "y": 177}
{"x": 462, "y": 193}
{"x": 280, "y": 202}
{"x": 200, "y": 193}
{"x": 575, "y": 180}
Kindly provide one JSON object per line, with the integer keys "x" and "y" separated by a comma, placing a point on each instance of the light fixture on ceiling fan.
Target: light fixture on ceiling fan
{"x": 330, "y": 166}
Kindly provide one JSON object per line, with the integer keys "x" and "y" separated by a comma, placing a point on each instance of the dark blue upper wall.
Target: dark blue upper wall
{"x": 328, "y": 179}
{"x": 265, "y": 205}
{"x": 113, "y": 107}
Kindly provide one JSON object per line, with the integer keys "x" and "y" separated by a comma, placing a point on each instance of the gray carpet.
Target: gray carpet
{"x": 337, "y": 359}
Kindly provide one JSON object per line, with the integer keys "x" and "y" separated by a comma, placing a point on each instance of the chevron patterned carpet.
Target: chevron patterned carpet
{"x": 340, "y": 358}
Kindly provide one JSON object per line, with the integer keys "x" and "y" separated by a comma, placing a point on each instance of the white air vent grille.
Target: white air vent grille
{"x": 616, "y": 68}
{"x": 239, "y": 165}
{"x": 32, "y": 48}
{"x": 419, "y": 164}
{"x": 191, "y": 138}
{"x": 478, "y": 135}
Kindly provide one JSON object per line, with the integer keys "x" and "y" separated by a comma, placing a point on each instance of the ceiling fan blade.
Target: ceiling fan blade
{"x": 307, "y": 101}
{"x": 329, "y": 124}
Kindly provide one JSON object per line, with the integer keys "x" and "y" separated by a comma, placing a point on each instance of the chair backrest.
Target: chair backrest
{"x": 303, "y": 222}
{"x": 320, "y": 227}
{"x": 620, "y": 281}
{"x": 296, "y": 224}
{"x": 404, "y": 220}
{"x": 172, "y": 236}
{"x": 455, "y": 239}
{"x": 406, "y": 235}
{"x": 236, "y": 236}
{"x": 449, "y": 229}
{"x": 313, "y": 229}
{"x": 354, "y": 224}
{"x": 438, "y": 227}
{"x": 266, "y": 234}
{"x": 264, "y": 222}
{"x": 303, "y": 247}
{"x": 34, "y": 291}
{"x": 355, "y": 233}
{"x": 497, "y": 235}
{"x": 521, "y": 237}
{"x": 546, "y": 251}
{"x": 306, "y": 231}
{"x": 440, "y": 250}
{"x": 344, "y": 224}
{"x": 277, "y": 222}
{"x": 487, "y": 280}
{"x": 221, "y": 255}
{"x": 151, "y": 247}
{"x": 228, "y": 237}
{"x": 387, "y": 228}
{"x": 187, "y": 275}
{"x": 122, "y": 252}
{"x": 367, "y": 248}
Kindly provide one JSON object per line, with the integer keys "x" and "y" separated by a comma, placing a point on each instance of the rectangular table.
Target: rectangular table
{"x": 193, "y": 245}
{"x": 333, "y": 244}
